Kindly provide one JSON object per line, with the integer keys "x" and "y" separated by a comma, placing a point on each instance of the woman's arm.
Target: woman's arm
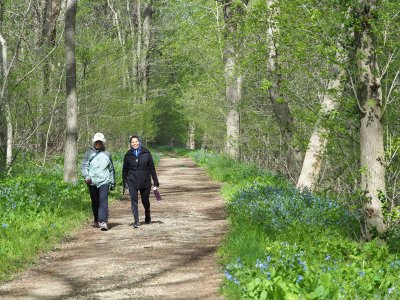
{"x": 152, "y": 170}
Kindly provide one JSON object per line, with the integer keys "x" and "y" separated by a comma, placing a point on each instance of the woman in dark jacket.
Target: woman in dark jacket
{"x": 136, "y": 171}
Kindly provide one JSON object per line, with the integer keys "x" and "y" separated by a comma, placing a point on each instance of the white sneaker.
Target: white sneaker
{"x": 103, "y": 226}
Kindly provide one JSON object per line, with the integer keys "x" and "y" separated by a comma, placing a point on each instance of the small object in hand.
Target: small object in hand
{"x": 88, "y": 181}
{"x": 157, "y": 193}
{"x": 112, "y": 187}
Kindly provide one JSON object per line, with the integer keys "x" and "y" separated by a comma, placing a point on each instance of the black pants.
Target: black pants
{"x": 99, "y": 197}
{"x": 144, "y": 194}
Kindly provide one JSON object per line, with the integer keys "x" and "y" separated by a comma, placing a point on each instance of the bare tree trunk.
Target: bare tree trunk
{"x": 71, "y": 151}
{"x": 144, "y": 66}
{"x": 139, "y": 33}
{"x": 311, "y": 169}
{"x": 294, "y": 157}
{"x": 39, "y": 92}
{"x": 3, "y": 69}
{"x": 233, "y": 79}
{"x": 191, "y": 142}
{"x": 7, "y": 106}
{"x": 47, "y": 41}
{"x": 132, "y": 24}
{"x": 9, "y": 138}
{"x": 3, "y": 72}
{"x": 371, "y": 133}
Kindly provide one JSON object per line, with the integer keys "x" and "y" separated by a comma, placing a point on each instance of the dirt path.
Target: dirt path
{"x": 173, "y": 257}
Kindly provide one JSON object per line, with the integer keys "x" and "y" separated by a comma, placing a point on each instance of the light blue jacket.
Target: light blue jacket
{"x": 98, "y": 166}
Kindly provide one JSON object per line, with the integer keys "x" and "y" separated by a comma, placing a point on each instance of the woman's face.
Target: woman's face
{"x": 98, "y": 145}
{"x": 135, "y": 143}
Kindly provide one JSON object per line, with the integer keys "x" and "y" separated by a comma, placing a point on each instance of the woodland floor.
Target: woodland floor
{"x": 173, "y": 257}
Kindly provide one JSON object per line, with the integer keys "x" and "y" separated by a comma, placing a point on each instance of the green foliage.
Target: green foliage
{"x": 225, "y": 169}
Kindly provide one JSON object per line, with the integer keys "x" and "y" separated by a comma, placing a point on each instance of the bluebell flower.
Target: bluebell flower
{"x": 236, "y": 281}
{"x": 228, "y": 276}
{"x": 361, "y": 273}
{"x": 299, "y": 278}
{"x": 327, "y": 257}
{"x": 5, "y": 225}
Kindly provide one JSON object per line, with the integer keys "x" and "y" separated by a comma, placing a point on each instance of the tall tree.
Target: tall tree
{"x": 47, "y": 41}
{"x": 71, "y": 151}
{"x": 144, "y": 65}
{"x": 233, "y": 11}
{"x": 281, "y": 108}
{"x": 311, "y": 169}
{"x": 370, "y": 115}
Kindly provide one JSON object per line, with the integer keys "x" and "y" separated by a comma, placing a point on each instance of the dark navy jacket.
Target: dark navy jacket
{"x": 136, "y": 171}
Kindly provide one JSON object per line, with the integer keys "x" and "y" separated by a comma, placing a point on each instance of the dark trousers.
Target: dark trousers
{"x": 99, "y": 197}
{"x": 144, "y": 194}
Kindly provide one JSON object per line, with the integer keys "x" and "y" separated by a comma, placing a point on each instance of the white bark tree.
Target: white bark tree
{"x": 281, "y": 108}
{"x": 191, "y": 142}
{"x": 144, "y": 48}
{"x": 311, "y": 169}
{"x": 370, "y": 115}
{"x": 233, "y": 78}
{"x": 71, "y": 151}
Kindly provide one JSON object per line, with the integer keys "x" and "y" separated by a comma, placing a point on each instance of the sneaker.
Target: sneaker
{"x": 136, "y": 224}
{"x": 103, "y": 226}
{"x": 147, "y": 219}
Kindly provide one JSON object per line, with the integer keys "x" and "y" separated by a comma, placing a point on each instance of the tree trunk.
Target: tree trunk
{"x": 191, "y": 142}
{"x": 3, "y": 69}
{"x": 132, "y": 24}
{"x": 138, "y": 52}
{"x": 71, "y": 152}
{"x": 3, "y": 72}
{"x": 144, "y": 66}
{"x": 233, "y": 79}
{"x": 9, "y": 138}
{"x": 311, "y": 169}
{"x": 280, "y": 106}
{"x": 371, "y": 134}
{"x": 47, "y": 41}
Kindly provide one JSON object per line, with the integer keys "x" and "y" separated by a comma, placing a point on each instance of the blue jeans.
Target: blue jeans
{"x": 99, "y": 197}
{"x": 144, "y": 194}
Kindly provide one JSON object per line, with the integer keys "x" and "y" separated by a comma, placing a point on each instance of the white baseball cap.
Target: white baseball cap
{"x": 99, "y": 137}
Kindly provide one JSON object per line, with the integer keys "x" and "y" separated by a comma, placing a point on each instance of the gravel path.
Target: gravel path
{"x": 173, "y": 257}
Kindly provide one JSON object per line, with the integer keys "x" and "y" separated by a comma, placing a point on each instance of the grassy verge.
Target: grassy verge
{"x": 284, "y": 244}
{"x": 38, "y": 210}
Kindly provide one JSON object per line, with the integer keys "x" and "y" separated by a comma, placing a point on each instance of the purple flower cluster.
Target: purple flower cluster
{"x": 278, "y": 207}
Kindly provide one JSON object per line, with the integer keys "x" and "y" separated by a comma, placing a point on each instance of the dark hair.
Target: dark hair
{"x": 133, "y": 136}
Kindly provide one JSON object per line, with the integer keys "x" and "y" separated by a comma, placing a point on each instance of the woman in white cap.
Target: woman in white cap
{"x": 98, "y": 171}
